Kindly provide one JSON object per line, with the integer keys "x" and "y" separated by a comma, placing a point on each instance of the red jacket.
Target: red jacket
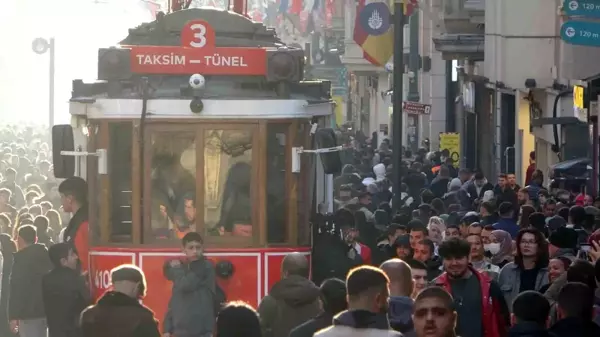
{"x": 494, "y": 322}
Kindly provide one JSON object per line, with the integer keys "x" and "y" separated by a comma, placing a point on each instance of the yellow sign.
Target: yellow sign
{"x": 451, "y": 142}
{"x": 578, "y": 97}
{"x": 339, "y": 111}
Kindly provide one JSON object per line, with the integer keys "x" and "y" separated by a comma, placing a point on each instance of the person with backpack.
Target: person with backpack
{"x": 193, "y": 304}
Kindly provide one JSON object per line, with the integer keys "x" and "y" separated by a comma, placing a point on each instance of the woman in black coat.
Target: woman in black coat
{"x": 8, "y": 248}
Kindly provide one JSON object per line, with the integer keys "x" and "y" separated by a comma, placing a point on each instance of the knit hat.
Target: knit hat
{"x": 563, "y": 237}
{"x": 556, "y": 222}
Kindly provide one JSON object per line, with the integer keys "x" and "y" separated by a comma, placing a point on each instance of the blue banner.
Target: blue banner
{"x": 581, "y": 33}
{"x": 585, "y": 8}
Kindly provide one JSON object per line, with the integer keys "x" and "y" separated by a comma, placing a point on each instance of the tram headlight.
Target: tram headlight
{"x": 114, "y": 64}
{"x": 285, "y": 64}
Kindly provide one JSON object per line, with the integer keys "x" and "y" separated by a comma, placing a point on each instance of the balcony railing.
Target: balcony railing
{"x": 455, "y": 8}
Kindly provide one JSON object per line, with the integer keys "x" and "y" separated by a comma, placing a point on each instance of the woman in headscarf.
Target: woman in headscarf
{"x": 500, "y": 247}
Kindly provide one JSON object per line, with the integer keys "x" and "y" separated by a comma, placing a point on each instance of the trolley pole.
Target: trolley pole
{"x": 40, "y": 46}
{"x": 51, "y": 84}
{"x": 397, "y": 103}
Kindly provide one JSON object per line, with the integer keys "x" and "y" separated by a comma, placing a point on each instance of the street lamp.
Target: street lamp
{"x": 41, "y": 46}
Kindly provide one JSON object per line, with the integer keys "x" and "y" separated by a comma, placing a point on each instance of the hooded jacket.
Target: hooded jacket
{"x": 359, "y": 323}
{"x": 400, "y": 315}
{"x": 30, "y": 265}
{"x": 291, "y": 302}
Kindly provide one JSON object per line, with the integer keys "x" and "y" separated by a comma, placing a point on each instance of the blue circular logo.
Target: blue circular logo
{"x": 375, "y": 18}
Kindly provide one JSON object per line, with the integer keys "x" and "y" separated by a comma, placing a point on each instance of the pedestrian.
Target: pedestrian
{"x": 368, "y": 298}
{"x": 575, "y": 310}
{"x": 434, "y": 313}
{"x": 26, "y": 305}
{"x": 119, "y": 311}
{"x": 292, "y": 301}
{"x": 237, "y": 319}
{"x": 191, "y": 311}
{"x": 480, "y": 305}
{"x": 333, "y": 298}
{"x": 401, "y": 289}
{"x": 73, "y": 194}
{"x": 529, "y": 271}
{"x": 65, "y": 292}
{"x": 530, "y": 315}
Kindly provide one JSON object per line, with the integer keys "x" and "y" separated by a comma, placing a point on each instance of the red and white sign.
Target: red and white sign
{"x": 100, "y": 266}
{"x": 198, "y": 54}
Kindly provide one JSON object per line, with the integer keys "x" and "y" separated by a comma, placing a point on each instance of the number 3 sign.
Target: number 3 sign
{"x": 197, "y": 34}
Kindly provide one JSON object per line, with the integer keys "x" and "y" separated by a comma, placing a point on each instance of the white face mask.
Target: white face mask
{"x": 493, "y": 248}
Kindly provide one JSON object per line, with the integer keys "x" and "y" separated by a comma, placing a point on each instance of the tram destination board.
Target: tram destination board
{"x": 416, "y": 108}
{"x": 581, "y": 33}
{"x": 198, "y": 54}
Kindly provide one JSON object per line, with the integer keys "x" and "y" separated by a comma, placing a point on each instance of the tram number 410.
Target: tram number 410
{"x": 102, "y": 279}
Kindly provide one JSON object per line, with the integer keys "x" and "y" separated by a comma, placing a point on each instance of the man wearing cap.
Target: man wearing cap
{"x": 119, "y": 312}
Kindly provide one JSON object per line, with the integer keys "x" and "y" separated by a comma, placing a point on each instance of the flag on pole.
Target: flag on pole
{"x": 410, "y": 6}
{"x": 373, "y": 30}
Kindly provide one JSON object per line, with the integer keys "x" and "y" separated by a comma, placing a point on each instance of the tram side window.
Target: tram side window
{"x": 227, "y": 182}
{"x": 276, "y": 197}
{"x": 120, "y": 180}
{"x": 173, "y": 184}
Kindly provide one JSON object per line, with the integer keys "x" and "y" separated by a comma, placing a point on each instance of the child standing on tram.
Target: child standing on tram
{"x": 191, "y": 311}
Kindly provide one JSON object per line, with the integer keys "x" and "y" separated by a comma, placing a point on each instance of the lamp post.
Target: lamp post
{"x": 41, "y": 46}
{"x": 398, "y": 72}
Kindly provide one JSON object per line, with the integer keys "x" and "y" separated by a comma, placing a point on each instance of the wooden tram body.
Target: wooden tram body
{"x": 163, "y": 155}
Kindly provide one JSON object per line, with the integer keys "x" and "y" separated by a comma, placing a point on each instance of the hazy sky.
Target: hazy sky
{"x": 79, "y": 27}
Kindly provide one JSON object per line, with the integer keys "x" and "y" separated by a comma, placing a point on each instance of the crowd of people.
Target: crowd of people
{"x": 460, "y": 256}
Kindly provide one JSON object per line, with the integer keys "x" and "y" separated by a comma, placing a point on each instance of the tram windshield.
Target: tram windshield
{"x": 201, "y": 177}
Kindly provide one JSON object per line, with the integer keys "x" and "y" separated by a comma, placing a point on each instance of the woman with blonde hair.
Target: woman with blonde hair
{"x": 436, "y": 228}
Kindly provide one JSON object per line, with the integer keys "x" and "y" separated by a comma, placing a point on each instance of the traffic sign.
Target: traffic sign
{"x": 416, "y": 108}
{"x": 586, "y": 8}
{"x": 581, "y": 33}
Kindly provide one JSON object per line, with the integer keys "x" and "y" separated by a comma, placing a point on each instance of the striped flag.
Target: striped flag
{"x": 373, "y": 30}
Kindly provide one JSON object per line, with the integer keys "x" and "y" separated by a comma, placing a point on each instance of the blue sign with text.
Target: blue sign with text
{"x": 586, "y": 8}
{"x": 581, "y": 33}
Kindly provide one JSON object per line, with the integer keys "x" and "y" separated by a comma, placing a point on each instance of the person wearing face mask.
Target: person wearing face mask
{"x": 477, "y": 257}
{"x": 119, "y": 311}
{"x": 500, "y": 248}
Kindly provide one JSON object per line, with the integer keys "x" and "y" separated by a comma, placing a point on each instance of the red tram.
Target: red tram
{"x": 193, "y": 126}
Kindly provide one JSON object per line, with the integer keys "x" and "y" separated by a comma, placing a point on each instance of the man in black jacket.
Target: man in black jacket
{"x": 26, "y": 306}
{"x": 65, "y": 293}
{"x": 333, "y": 298}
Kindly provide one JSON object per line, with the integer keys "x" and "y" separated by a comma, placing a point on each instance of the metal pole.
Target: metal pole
{"x": 51, "y": 84}
{"x": 414, "y": 59}
{"x": 450, "y": 105}
{"x": 397, "y": 103}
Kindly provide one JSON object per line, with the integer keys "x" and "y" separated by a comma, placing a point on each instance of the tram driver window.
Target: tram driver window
{"x": 227, "y": 181}
{"x": 173, "y": 185}
{"x": 120, "y": 140}
{"x": 276, "y": 197}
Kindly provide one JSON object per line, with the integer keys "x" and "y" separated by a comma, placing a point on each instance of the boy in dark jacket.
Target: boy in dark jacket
{"x": 26, "y": 306}
{"x": 191, "y": 311}
{"x": 65, "y": 293}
